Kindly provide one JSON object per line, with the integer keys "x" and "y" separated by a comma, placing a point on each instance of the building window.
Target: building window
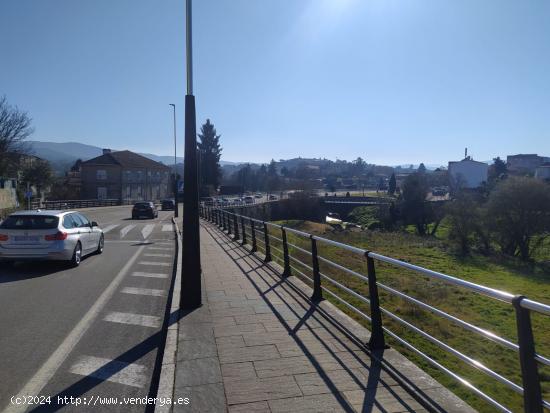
{"x": 101, "y": 193}
{"x": 101, "y": 174}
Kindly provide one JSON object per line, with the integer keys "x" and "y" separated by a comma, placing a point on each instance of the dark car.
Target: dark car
{"x": 144, "y": 210}
{"x": 168, "y": 204}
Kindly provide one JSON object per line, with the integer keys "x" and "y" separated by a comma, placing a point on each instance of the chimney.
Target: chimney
{"x": 106, "y": 151}
{"x": 465, "y": 153}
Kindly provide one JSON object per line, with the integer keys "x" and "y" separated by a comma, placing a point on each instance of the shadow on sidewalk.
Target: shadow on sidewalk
{"x": 282, "y": 286}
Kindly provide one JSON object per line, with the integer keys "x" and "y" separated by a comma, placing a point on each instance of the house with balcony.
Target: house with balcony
{"x": 124, "y": 175}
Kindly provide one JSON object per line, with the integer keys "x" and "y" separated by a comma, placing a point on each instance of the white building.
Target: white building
{"x": 543, "y": 171}
{"x": 467, "y": 173}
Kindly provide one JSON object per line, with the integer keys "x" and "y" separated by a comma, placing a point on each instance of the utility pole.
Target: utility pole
{"x": 191, "y": 268}
{"x": 176, "y": 212}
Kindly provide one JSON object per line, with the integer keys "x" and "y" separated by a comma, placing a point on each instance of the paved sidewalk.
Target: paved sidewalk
{"x": 258, "y": 345}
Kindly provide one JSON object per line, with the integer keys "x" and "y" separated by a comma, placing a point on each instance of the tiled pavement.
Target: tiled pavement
{"x": 258, "y": 345}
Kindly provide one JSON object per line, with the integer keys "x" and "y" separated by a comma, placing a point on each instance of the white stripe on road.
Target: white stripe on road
{"x": 143, "y": 291}
{"x": 116, "y": 371}
{"x": 147, "y": 229}
{"x": 149, "y": 274}
{"x": 158, "y": 255}
{"x": 164, "y": 243}
{"x": 159, "y": 248}
{"x": 160, "y": 264}
{"x": 133, "y": 319}
{"x": 124, "y": 231}
{"x": 109, "y": 228}
{"x": 49, "y": 368}
{"x": 166, "y": 228}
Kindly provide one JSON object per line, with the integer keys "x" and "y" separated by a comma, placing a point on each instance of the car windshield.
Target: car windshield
{"x": 30, "y": 222}
{"x": 143, "y": 204}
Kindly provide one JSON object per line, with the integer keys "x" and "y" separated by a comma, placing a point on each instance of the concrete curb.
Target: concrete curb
{"x": 168, "y": 370}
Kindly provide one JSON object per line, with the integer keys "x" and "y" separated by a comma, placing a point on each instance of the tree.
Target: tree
{"x": 392, "y": 184}
{"x": 462, "y": 217}
{"x": 421, "y": 169}
{"x": 209, "y": 154}
{"x": 38, "y": 173}
{"x": 519, "y": 209}
{"x": 497, "y": 170}
{"x": 272, "y": 177}
{"x": 15, "y": 127}
{"x": 414, "y": 208}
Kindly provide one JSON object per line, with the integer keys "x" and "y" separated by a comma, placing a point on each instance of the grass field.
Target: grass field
{"x": 497, "y": 272}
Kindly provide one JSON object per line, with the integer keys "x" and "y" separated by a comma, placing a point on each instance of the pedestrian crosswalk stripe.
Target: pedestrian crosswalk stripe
{"x": 159, "y": 248}
{"x": 149, "y": 274}
{"x": 115, "y": 371}
{"x": 167, "y": 228}
{"x": 143, "y": 291}
{"x": 124, "y": 231}
{"x": 133, "y": 319}
{"x": 160, "y": 264}
{"x": 158, "y": 255}
{"x": 146, "y": 230}
{"x": 109, "y": 228}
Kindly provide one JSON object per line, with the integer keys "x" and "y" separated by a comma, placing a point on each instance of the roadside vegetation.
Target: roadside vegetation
{"x": 498, "y": 238}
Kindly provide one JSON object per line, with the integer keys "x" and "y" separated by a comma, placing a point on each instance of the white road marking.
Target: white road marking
{"x": 49, "y": 368}
{"x": 124, "y": 231}
{"x": 133, "y": 319}
{"x": 160, "y": 264}
{"x": 147, "y": 229}
{"x": 116, "y": 371}
{"x": 158, "y": 255}
{"x": 149, "y": 274}
{"x": 143, "y": 291}
{"x": 166, "y": 228}
{"x": 159, "y": 249}
{"x": 109, "y": 228}
{"x": 164, "y": 243}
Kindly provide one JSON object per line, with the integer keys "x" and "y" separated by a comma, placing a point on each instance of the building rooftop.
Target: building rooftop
{"x": 125, "y": 159}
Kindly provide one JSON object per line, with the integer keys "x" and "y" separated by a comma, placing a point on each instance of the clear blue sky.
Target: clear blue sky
{"x": 392, "y": 81}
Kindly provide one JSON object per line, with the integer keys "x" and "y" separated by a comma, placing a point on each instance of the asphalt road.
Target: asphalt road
{"x": 93, "y": 331}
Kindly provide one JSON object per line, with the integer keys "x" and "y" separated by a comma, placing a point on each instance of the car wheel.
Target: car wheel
{"x": 101, "y": 244}
{"x": 77, "y": 255}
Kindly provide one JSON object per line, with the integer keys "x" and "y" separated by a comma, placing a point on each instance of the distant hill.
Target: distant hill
{"x": 62, "y": 155}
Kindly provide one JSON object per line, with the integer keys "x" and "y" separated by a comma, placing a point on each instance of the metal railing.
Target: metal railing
{"x": 79, "y": 203}
{"x": 256, "y": 232}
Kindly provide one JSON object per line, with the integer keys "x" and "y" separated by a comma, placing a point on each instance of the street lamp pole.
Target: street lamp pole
{"x": 191, "y": 268}
{"x": 176, "y": 212}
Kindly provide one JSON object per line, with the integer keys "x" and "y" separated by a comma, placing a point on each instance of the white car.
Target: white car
{"x": 49, "y": 235}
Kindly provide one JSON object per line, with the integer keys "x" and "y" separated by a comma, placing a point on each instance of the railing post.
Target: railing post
{"x": 253, "y": 232}
{"x": 224, "y": 217}
{"x": 228, "y": 223}
{"x": 532, "y": 395}
{"x": 377, "y": 340}
{"x": 286, "y": 272}
{"x": 236, "y": 227}
{"x": 219, "y": 218}
{"x": 244, "y": 230}
{"x": 267, "y": 247}
{"x": 317, "y": 291}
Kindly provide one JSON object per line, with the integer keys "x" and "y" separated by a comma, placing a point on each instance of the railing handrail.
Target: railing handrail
{"x": 528, "y": 358}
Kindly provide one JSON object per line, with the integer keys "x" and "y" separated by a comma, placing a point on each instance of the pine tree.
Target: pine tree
{"x": 392, "y": 184}
{"x": 209, "y": 155}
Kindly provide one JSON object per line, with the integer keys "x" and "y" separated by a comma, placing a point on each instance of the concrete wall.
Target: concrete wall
{"x": 8, "y": 198}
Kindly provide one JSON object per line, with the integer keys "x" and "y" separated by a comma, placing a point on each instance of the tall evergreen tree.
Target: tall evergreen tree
{"x": 209, "y": 155}
{"x": 392, "y": 184}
